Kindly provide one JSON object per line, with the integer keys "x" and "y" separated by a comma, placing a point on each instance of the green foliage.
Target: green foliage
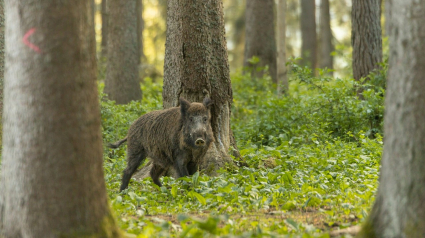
{"x": 313, "y": 161}
{"x": 317, "y": 108}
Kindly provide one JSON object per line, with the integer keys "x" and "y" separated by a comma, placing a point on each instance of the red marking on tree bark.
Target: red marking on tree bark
{"x": 29, "y": 44}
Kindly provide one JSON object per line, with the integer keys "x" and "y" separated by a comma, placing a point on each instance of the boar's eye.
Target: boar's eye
{"x": 205, "y": 119}
{"x": 191, "y": 119}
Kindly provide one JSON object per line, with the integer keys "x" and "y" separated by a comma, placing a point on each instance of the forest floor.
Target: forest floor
{"x": 313, "y": 163}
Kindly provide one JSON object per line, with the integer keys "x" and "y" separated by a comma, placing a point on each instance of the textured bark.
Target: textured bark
{"x": 52, "y": 182}
{"x": 196, "y": 66}
{"x": 326, "y": 46}
{"x": 366, "y": 37}
{"x": 1, "y": 59}
{"x": 308, "y": 34}
{"x": 260, "y": 37}
{"x": 104, "y": 43}
{"x": 399, "y": 209}
{"x": 282, "y": 78}
{"x": 140, "y": 27}
{"x": 122, "y": 72}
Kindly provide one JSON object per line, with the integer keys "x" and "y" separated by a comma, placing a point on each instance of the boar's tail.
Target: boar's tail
{"x": 117, "y": 144}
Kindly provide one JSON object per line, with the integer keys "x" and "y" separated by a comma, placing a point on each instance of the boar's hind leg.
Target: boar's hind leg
{"x": 133, "y": 161}
{"x": 155, "y": 173}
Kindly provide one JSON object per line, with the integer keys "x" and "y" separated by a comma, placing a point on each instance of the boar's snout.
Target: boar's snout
{"x": 200, "y": 142}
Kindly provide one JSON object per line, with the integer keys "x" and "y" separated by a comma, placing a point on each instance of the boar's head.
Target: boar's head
{"x": 196, "y": 123}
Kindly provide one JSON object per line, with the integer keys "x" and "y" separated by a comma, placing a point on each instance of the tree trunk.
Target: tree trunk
{"x": 399, "y": 209}
{"x": 104, "y": 43}
{"x": 366, "y": 37}
{"x": 326, "y": 46}
{"x": 140, "y": 27}
{"x": 196, "y": 66}
{"x": 260, "y": 37}
{"x": 308, "y": 34}
{"x": 122, "y": 72}
{"x": 52, "y": 182}
{"x": 282, "y": 79}
{"x": 1, "y": 61}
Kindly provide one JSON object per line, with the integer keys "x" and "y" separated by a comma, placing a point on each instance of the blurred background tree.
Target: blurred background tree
{"x": 154, "y": 27}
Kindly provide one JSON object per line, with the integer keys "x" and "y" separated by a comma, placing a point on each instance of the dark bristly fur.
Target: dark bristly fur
{"x": 177, "y": 137}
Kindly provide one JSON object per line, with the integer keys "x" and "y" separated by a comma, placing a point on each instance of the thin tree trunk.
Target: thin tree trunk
{"x": 122, "y": 72}
{"x": 326, "y": 46}
{"x": 52, "y": 182}
{"x": 104, "y": 43}
{"x": 282, "y": 79}
{"x": 140, "y": 27}
{"x": 260, "y": 39}
{"x": 366, "y": 37}
{"x": 399, "y": 209}
{"x": 308, "y": 34}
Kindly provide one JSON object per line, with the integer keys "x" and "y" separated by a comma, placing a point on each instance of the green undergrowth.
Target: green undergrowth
{"x": 313, "y": 161}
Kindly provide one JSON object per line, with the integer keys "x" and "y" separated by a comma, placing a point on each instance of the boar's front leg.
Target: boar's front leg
{"x": 180, "y": 165}
{"x": 192, "y": 167}
{"x": 156, "y": 172}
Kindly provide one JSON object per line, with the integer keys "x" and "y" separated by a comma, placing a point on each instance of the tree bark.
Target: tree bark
{"x": 104, "y": 43}
{"x": 1, "y": 61}
{"x": 326, "y": 46}
{"x": 282, "y": 79}
{"x": 196, "y": 66}
{"x": 260, "y": 39}
{"x": 399, "y": 209}
{"x": 52, "y": 182}
{"x": 308, "y": 34}
{"x": 122, "y": 72}
{"x": 366, "y": 37}
{"x": 140, "y": 27}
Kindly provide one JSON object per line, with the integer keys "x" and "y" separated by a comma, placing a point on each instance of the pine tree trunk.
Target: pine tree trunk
{"x": 122, "y": 72}
{"x": 308, "y": 34}
{"x": 52, "y": 182}
{"x": 399, "y": 209}
{"x": 140, "y": 27}
{"x": 104, "y": 43}
{"x": 366, "y": 37}
{"x": 282, "y": 79}
{"x": 326, "y": 46}
{"x": 260, "y": 39}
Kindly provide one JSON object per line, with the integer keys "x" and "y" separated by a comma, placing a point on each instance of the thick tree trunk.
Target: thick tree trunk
{"x": 326, "y": 46}
{"x": 104, "y": 43}
{"x": 260, "y": 39}
{"x": 1, "y": 60}
{"x": 196, "y": 66}
{"x": 122, "y": 72}
{"x": 140, "y": 27}
{"x": 399, "y": 209}
{"x": 51, "y": 182}
{"x": 366, "y": 37}
{"x": 282, "y": 79}
{"x": 308, "y": 34}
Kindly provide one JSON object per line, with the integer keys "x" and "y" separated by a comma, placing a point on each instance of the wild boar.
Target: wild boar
{"x": 177, "y": 137}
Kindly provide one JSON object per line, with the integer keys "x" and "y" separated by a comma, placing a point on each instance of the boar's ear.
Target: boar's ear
{"x": 184, "y": 105}
{"x": 208, "y": 102}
